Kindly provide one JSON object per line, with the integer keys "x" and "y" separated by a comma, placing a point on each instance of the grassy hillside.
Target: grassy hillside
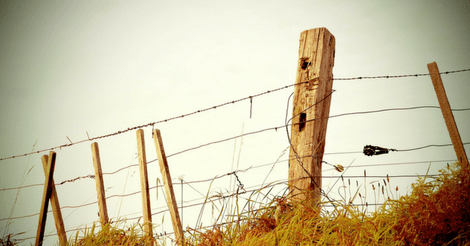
{"x": 436, "y": 212}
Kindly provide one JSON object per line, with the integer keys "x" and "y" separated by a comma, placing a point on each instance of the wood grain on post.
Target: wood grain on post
{"x": 99, "y": 184}
{"x": 447, "y": 113}
{"x": 170, "y": 195}
{"x": 59, "y": 222}
{"x": 49, "y": 173}
{"x": 144, "y": 183}
{"x": 312, "y": 98}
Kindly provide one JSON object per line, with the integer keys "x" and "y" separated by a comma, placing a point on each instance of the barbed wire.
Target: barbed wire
{"x": 223, "y": 140}
{"x": 237, "y": 193}
{"x": 221, "y": 196}
{"x": 401, "y": 76}
{"x": 215, "y": 107}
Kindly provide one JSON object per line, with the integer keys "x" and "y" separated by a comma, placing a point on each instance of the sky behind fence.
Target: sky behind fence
{"x": 71, "y": 71}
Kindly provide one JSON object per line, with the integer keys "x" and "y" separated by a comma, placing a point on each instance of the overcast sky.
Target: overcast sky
{"x": 72, "y": 68}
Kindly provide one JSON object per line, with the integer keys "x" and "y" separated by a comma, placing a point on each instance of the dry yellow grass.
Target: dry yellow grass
{"x": 436, "y": 212}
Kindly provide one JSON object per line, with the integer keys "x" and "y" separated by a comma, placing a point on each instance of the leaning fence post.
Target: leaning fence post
{"x": 447, "y": 113}
{"x": 144, "y": 183}
{"x": 170, "y": 195}
{"x": 99, "y": 184}
{"x": 59, "y": 222}
{"x": 49, "y": 172}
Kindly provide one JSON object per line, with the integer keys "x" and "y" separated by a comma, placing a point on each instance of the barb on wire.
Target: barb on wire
{"x": 77, "y": 178}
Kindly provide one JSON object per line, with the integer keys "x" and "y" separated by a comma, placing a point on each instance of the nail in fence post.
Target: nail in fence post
{"x": 49, "y": 173}
{"x": 447, "y": 113}
{"x": 59, "y": 222}
{"x": 144, "y": 183}
{"x": 99, "y": 184}
{"x": 172, "y": 205}
{"x": 312, "y": 98}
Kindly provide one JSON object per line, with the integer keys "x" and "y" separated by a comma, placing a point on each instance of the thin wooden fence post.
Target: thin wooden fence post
{"x": 170, "y": 195}
{"x": 447, "y": 113}
{"x": 312, "y": 98}
{"x": 59, "y": 222}
{"x": 99, "y": 184}
{"x": 49, "y": 173}
{"x": 144, "y": 183}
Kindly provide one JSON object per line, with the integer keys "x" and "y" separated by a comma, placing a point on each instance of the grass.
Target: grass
{"x": 436, "y": 212}
{"x": 112, "y": 234}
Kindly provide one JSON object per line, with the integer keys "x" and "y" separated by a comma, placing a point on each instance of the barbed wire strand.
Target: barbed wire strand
{"x": 214, "y": 107}
{"x": 226, "y": 196}
{"x": 237, "y": 193}
{"x": 262, "y": 130}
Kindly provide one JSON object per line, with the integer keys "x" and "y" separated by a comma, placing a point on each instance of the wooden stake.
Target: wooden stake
{"x": 99, "y": 184}
{"x": 312, "y": 97}
{"x": 170, "y": 195}
{"x": 49, "y": 173}
{"x": 144, "y": 183}
{"x": 447, "y": 113}
{"x": 59, "y": 222}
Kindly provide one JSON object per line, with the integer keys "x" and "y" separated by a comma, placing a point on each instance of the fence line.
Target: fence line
{"x": 218, "y": 106}
{"x": 275, "y": 128}
{"x": 219, "y": 141}
{"x": 221, "y": 196}
{"x": 234, "y": 172}
{"x": 232, "y": 194}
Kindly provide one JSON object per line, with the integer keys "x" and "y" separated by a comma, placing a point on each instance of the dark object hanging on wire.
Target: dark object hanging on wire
{"x": 370, "y": 150}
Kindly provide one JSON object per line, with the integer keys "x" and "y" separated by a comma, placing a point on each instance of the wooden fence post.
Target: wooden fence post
{"x": 144, "y": 183}
{"x": 170, "y": 195}
{"x": 99, "y": 184}
{"x": 49, "y": 173}
{"x": 312, "y": 98}
{"x": 447, "y": 113}
{"x": 59, "y": 222}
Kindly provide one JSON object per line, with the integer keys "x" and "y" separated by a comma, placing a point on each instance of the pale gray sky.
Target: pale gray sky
{"x": 72, "y": 67}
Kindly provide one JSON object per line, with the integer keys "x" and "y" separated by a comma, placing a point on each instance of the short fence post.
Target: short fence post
{"x": 59, "y": 222}
{"x": 144, "y": 183}
{"x": 447, "y": 113}
{"x": 99, "y": 184}
{"x": 170, "y": 195}
{"x": 48, "y": 173}
{"x": 312, "y": 97}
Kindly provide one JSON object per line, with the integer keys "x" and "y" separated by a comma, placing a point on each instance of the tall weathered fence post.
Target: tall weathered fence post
{"x": 312, "y": 98}
{"x": 447, "y": 113}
